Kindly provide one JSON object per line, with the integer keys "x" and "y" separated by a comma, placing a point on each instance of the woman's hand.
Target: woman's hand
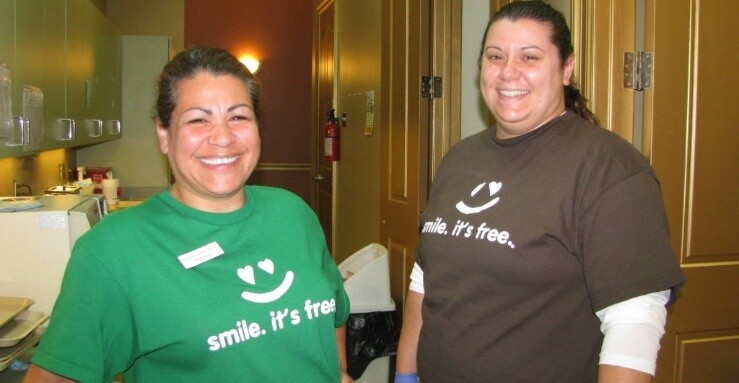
{"x": 345, "y": 378}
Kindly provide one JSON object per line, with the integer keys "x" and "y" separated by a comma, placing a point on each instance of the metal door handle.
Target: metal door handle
{"x": 318, "y": 178}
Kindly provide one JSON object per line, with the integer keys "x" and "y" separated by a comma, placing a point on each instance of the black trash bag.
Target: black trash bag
{"x": 370, "y": 336}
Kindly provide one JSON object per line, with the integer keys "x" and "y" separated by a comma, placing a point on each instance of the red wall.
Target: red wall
{"x": 279, "y": 33}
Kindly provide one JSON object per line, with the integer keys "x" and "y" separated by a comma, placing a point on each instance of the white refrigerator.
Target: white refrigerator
{"x": 36, "y": 243}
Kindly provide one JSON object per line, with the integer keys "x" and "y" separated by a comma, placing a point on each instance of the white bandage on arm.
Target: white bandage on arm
{"x": 632, "y": 330}
{"x": 416, "y": 279}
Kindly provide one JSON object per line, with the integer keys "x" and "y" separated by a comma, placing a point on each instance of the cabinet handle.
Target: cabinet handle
{"x": 27, "y": 132}
{"x": 114, "y": 127}
{"x": 68, "y": 129}
{"x": 21, "y": 124}
{"x": 96, "y": 127}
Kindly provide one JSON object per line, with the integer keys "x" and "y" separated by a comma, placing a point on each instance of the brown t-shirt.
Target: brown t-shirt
{"x": 523, "y": 239}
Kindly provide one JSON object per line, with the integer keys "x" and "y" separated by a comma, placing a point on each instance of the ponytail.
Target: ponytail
{"x": 575, "y": 101}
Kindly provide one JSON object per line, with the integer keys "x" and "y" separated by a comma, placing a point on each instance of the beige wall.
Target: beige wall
{"x": 149, "y": 17}
{"x": 474, "y": 112}
{"x": 358, "y": 175}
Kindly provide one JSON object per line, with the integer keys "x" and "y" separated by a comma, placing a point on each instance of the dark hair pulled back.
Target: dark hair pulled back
{"x": 542, "y": 12}
{"x": 187, "y": 64}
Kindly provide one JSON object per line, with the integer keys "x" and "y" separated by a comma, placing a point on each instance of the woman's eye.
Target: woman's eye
{"x": 242, "y": 117}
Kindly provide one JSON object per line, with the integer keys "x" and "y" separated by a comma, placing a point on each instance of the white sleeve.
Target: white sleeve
{"x": 632, "y": 330}
{"x": 416, "y": 279}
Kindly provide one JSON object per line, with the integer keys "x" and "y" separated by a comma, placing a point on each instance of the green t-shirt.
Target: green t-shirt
{"x": 166, "y": 293}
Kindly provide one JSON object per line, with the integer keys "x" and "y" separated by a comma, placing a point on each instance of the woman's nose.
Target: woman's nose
{"x": 509, "y": 70}
{"x": 221, "y": 135}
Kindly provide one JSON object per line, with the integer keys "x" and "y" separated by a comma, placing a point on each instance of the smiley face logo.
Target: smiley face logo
{"x": 493, "y": 187}
{"x": 246, "y": 274}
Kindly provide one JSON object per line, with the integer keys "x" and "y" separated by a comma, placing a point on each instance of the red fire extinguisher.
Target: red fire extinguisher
{"x": 331, "y": 143}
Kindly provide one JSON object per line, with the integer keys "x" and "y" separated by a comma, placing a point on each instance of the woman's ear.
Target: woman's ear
{"x": 163, "y": 135}
{"x": 569, "y": 68}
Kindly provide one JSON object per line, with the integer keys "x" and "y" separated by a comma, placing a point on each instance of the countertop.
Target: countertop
{"x": 122, "y": 205}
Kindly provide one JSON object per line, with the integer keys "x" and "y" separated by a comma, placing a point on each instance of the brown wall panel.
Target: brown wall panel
{"x": 278, "y": 32}
{"x": 721, "y": 348}
{"x": 297, "y": 181}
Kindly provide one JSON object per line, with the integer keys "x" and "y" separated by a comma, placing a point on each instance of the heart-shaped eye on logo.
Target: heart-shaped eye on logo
{"x": 493, "y": 187}
{"x": 246, "y": 274}
{"x": 267, "y": 265}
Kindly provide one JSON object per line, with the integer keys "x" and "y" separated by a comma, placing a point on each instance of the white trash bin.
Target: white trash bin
{"x": 366, "y": 275}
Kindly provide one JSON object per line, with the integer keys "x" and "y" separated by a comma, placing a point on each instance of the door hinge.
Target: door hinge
{"x": 431, "y": 87}
{"x": 638, "y": 70}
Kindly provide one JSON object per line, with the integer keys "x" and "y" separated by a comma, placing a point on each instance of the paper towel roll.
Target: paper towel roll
{"x": 111, "y": 189}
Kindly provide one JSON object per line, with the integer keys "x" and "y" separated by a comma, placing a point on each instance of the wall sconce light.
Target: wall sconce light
{"x": 251, "y": 63}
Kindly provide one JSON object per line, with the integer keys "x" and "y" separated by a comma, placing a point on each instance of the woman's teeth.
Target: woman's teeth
{"x": 512, "y": 93}
{"x": 219, "y": 160}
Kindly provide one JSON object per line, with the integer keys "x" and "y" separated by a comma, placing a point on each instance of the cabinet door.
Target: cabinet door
{"x": 7, "y": 33}
{"x": 7, "y": 59}
{"x": 93, "y": 74}
{"x": 29, "y": 71}
{"x": 80, "y": 62}
{"x": 107, "y": 84}
{"x": 55, "y": 92}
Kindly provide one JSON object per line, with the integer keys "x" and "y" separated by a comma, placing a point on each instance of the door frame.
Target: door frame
{"x": 420, "y": 38}
{"x": 323, "y": 188}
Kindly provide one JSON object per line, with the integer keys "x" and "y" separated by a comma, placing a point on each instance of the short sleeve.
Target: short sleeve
{"x": 331, "y": 270}
{"x": 90, "y": 334}
{"x": 343, "y": 306}
{"x": 626, "y": 244}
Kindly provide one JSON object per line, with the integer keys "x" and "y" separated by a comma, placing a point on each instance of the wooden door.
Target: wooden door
{"x": 405, "y": 134}
{"x": 322, "y": 191}
{"x": 693, "y": 144}
{"x": 682, "y": 125}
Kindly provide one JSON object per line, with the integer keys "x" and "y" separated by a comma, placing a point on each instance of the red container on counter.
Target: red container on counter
{"x": 97, "y": 174}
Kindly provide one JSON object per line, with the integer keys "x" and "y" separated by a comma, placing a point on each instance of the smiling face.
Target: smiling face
{"x": 212, "y": 142}
{"x": 522, "y": 76}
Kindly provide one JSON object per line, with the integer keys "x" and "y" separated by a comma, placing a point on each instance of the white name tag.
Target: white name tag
{"x": 201, "y": 255}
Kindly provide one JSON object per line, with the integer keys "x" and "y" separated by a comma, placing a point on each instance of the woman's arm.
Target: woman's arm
{"x": 616, "y": 374}
{"x": 410, "y": 331}
{"x": 37, "y": 374}
{"x": 341, "y": 344}
{"x": 631, "y": 333}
